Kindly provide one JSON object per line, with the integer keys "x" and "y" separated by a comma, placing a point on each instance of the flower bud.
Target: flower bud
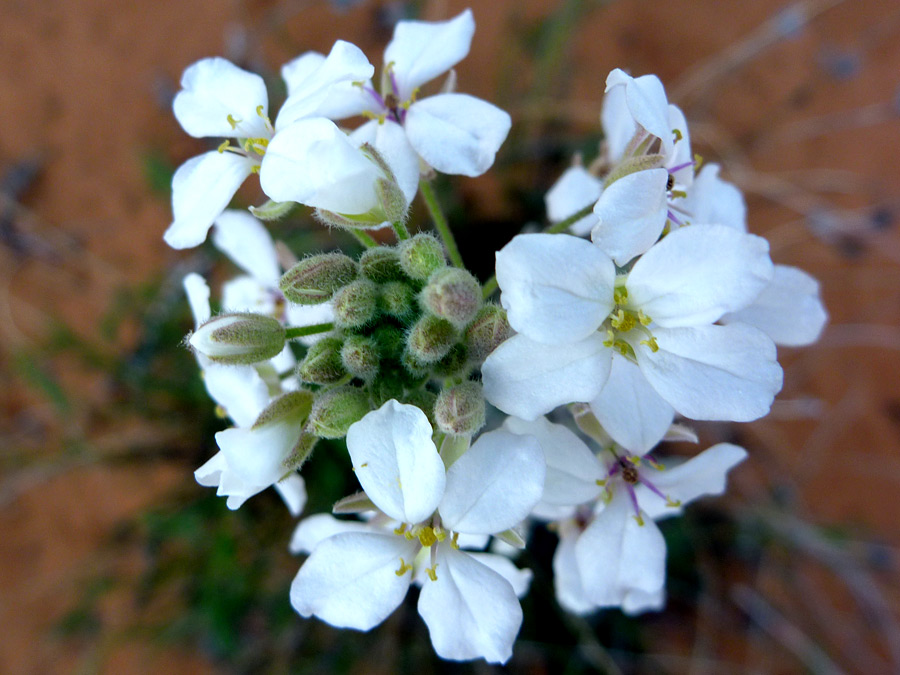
{"x": 323, "y": 364}
{"x": 386, "y": 387}
{"x": 336, "y": 409}
{"x": 460, "y": 409}
{"x": 391, "y": 341}
{"x": 391, "y": 198}
{"x": 291, "y": 408}
{"x": 241, "y": 338}
{"x": 314, "y": 280}
{"x": 301, "y": 452}
{"x": 452, "y": 294}
{"x": 272, "y": 210}
{"x": 360, "y": 357}
{"x": 430, "y": 339}
{"x": 381, "y": 264}
{"x": 424, "y": 400}
{"x": 355, "y": 304}
{"x": 487, "y": 331}
{"x": 397, "y": 299}
{"x": 421, "y": 256}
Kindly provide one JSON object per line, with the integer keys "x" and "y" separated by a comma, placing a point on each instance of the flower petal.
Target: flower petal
{"x": 646, "y": 103}
{"x": 702, "y": 475}
{"x": 696, "y": 274}
{"x": 629, "y": 408}
{"x": 616, "y": 555}
{"x": 248, "y": 243}
{"x": 528, "y": 379}
{"x": 457, "y": 133}
{"x": 556, "y": 288}
{"x": 681, "y": 153}
{"x": 314, "y": 163}
{"x": 293, "y": 491}
{"x": 572, "y": 191}
{"x": 351, "y": 579}
{"x": 572, "y": 469}
{"x": 315, "y": 529}
{"x": 197, "y": 291}
{"x": 216, "y": 473}
{"x": 323, "y": 86}
{"x": 201, "y": 189}
{"x": 390, "y": 140}
{"x": 258, "y": 455}
{"x": 494, "y": 485}
{"x": 471, "y": 611}
{"x": 566, "y": 575}
{"x": 396, "y": 461}
{"x": 240, "y": 391}
{"x": 713, "y": 201}
{"x": 213, "y": 89}
{"x": 422, "y": 50}
{"x": 518, "y": 578}
{"x": 713, "y": 372}
{"x": 246, "y": 294}
{"x": 631, "y": 214}
{"x": 789, "y": 310}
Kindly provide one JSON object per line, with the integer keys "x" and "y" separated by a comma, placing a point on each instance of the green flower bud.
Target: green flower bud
{"x": 393, "y": 202}
{"x": 381, "y": 264}
{"x": 460, "y": 409}
{"x": 314, "y": 280}
{"x": 336, "y": 409}
{"x": 360, "y": 356}
{"x": 487, "y": 331}
{"x": 397, "y": 299}
{"x": 322, "y": 364}
{"x": 414, "y": 369}
{"x": 292, "y": 408}
{"x": 386, "y": 387}
{"x": 271, "y": 211}
{"x": 452, "y": 294}
{"x": 430, "y": 339}
{"x": 391, "y": 341}
{"x": 241, "y": 338}
{"x": 453, "y": 363}
{"x": 355, "y": 304}
{"x": 301, "y": 451}
{"x": 421, "y": 256}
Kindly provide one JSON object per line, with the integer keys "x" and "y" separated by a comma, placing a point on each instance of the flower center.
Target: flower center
{"x": 390, "y": 104}
{"x": 623, "y": 320}
{"x": 252, "y": 147}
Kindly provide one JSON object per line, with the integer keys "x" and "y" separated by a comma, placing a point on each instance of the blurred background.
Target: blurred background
{"x": 113, "y": 560}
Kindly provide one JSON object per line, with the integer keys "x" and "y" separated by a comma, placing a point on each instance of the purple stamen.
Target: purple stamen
{"x": 655, "y": 490}
{"x": 376, "y": 96}
{"x": 671, "y": 216}
{"x": 681, "y": 166}
{"x": 394, "y": 84}
{"x": 634, "y": 501}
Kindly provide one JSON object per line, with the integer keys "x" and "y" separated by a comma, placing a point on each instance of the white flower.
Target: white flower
{"x": 218, "y": 99}
{"x": 576, "y": 188}
{"x": 572, "y": 314}
{"x": 454, "y": 133}
{"x": 356, "y": 579}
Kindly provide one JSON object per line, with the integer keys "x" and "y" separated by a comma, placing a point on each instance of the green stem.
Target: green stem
{"x": 400, "y": 230}
{"x": 564, "y": 225}
{"x": 364, "y": 238}
{"x": 440, "y": 223}
{"x": 302, "y": 331}
{"x": 489, "y": 287}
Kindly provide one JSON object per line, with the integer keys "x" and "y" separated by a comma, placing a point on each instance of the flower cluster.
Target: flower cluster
{"x": 671, "y": 309}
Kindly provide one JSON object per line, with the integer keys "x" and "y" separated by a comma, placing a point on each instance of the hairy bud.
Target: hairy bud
{"x": 430, "y": 339}
{"x": 397, "y": 299}
{"x": 355, "y": 304}
{"x": 421, "y": 256}
{"x": 336, "y": 409}
{"x": 240, "y": 338}
{"x": 460, "y": 409}
{"x": 314, "y": 280}
{"x": 360, "y": 357}
{"x": 452, "y": 294}
{"x": 322, "y": 364}
{"x": 487, "y": 331}
{"x": 381, "y": 264}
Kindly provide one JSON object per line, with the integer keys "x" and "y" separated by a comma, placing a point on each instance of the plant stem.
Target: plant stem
{"x": 400, "y": 230}
{"x": 489, "y": 287}
{"x": 440, "y": 223}
{"x": 364, "y": 238}
{"x": 564, "y": 225}
{"x": 301, "y": 331}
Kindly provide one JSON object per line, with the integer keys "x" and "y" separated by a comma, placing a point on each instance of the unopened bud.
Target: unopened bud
{"x": 355, "y": 304}
{"x": 430, "y": 339}
{"x": 381, "y": 264}
{"x": 487, "y": 331}
{"x": 301, "y": 452}
{"x": 322, "y": 364}
{"x": 336, "y": 409}
{"x": 390, "y": 196}
{"x": 291, "y": 408}
{"x": 424, "y": 400}
{"x": 397, "y": 299}
{"x": 360, "y": 357}
{"x": 421, "y": 256}
{"x": 314, "y": 280}
{"x": 452, "y": 294}
{"x": 385, "y": 388}
{"x": 460, "y": 409}
{"x": 391, "y": 341}
{"x": 241, "y": 338}
{"x": 272, "y": 210}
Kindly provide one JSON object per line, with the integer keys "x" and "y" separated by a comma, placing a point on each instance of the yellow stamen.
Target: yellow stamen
{"x": 233, "y": 121}
{"x": 454, "y": 542}
{"x": 404, "y": 568}
{"x": 432, "y": 572}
